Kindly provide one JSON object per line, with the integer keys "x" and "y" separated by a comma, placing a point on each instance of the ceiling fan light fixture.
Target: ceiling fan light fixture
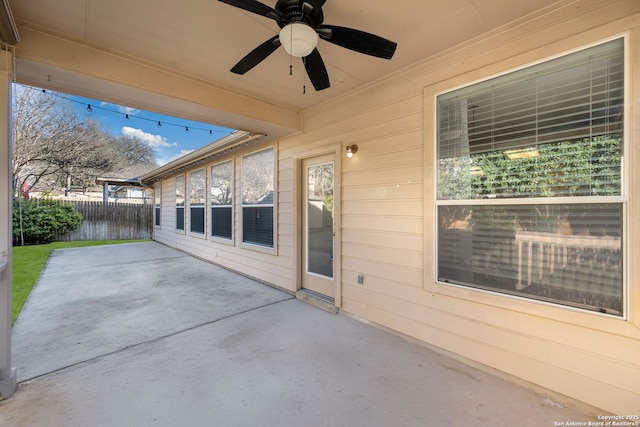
{"x": 298, "y": 39}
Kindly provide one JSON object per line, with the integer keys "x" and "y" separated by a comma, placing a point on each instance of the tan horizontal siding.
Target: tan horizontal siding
{"x": 397, "y": 224}
{"x": 373, "y": 208}
{"x": 385, "y": 272}
{"x": 408, "y": 173}
{"x": 388, "y": 219}
{"x": 389, "y": 241}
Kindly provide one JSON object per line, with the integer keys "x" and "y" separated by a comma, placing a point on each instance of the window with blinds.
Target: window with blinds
{"x": 222, "y": 200}
{"x": 197, "y": 200}
{"x": 157, "y": 202}
{"x": 530, "y": 196}
{"x": 258, "y": 186}
{"x": 180, "y": 198}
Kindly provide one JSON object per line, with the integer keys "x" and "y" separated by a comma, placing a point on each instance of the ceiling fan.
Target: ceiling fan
{"x": 301, "y": 26}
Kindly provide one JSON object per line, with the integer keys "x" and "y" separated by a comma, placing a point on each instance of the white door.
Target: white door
{"x": 318, "y": 225}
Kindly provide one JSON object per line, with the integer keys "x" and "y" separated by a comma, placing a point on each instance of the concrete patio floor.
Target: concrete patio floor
{"x": 144, "y": 335}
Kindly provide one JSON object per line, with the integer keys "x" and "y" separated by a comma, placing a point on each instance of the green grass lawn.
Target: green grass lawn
{"x": 28, "y": 261}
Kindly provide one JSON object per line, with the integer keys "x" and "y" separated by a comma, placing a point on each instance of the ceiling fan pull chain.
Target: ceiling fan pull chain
{"x": 304, "y": 77}
{"x": 291, "y": 56}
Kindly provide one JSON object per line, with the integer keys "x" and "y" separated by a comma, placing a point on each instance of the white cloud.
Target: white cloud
{"x": 155, "y": 141}
{"x": 162, "y": 162}
{"x": 124, "y": 110}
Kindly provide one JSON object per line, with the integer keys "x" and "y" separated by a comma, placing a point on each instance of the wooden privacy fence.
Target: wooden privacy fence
{"x": 112, "y": 221}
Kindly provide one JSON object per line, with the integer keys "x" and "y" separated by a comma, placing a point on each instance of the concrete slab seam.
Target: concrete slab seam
{"x": 154, "y": 340}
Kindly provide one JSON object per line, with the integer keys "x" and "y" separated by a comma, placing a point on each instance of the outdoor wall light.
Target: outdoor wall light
{"x": 351, "y": 150}
{"x": 298, "y": 39}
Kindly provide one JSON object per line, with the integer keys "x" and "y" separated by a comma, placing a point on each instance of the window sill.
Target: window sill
{"x": 258, "y": 248}
{"x": 602, "y": 322}
{"x": 197, "y": 235}
{"x": 222, "y": 240}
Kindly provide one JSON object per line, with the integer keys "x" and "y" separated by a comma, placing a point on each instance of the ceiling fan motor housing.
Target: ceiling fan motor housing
{"x": 295, "y": 10}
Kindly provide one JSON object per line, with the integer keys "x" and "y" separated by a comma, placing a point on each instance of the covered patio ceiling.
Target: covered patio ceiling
{"x": 174, "y": 57}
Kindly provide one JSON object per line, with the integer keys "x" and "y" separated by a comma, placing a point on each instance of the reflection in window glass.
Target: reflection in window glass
{"x": 197, "y": 200}
{"x": 518, "y": 157}
{"x": 222, "y": 200}
{"x": 570, "y": 254}
{"x": 180, "y": 198}
{"x": 157, "y": 202}
{"x": 258, "y": 183}
{"x": 319, "y": 212}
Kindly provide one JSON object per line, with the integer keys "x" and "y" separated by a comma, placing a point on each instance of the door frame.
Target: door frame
{"x": 300, "y": 180}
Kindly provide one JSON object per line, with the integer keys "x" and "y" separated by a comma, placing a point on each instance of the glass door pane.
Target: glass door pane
{"x": 319, "y": 220}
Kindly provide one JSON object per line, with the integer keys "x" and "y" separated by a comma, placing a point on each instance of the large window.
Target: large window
{"x": 180, "y": 197}
{"x": 258, "y": 177}
{"x": 197, "y": 200}
{"x": 222, "y": 200}
{"x": 157, "y": 202}
{"x": 530, "y": 198}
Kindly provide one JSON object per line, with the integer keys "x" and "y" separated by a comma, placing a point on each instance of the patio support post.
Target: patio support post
{"x": 7, "y": 373}
{"x": 105, "y": 192}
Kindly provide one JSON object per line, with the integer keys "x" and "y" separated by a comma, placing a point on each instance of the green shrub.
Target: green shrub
{"x": 42, "y": 220}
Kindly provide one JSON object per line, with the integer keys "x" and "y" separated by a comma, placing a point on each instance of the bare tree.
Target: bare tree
{"x": 39, "y": 120}
{"x": 54, "y": 148}
{"x": 258, "y": 178}
{"x": 129, "y": 151}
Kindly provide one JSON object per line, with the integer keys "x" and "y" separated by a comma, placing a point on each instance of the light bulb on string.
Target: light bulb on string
{"x": 90, "y": 109}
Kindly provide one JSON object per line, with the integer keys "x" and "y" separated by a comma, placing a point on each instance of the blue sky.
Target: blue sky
{"x": 170, "y": 140}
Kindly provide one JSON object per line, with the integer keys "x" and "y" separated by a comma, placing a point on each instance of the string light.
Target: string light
{"x": 128, "y": 117}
